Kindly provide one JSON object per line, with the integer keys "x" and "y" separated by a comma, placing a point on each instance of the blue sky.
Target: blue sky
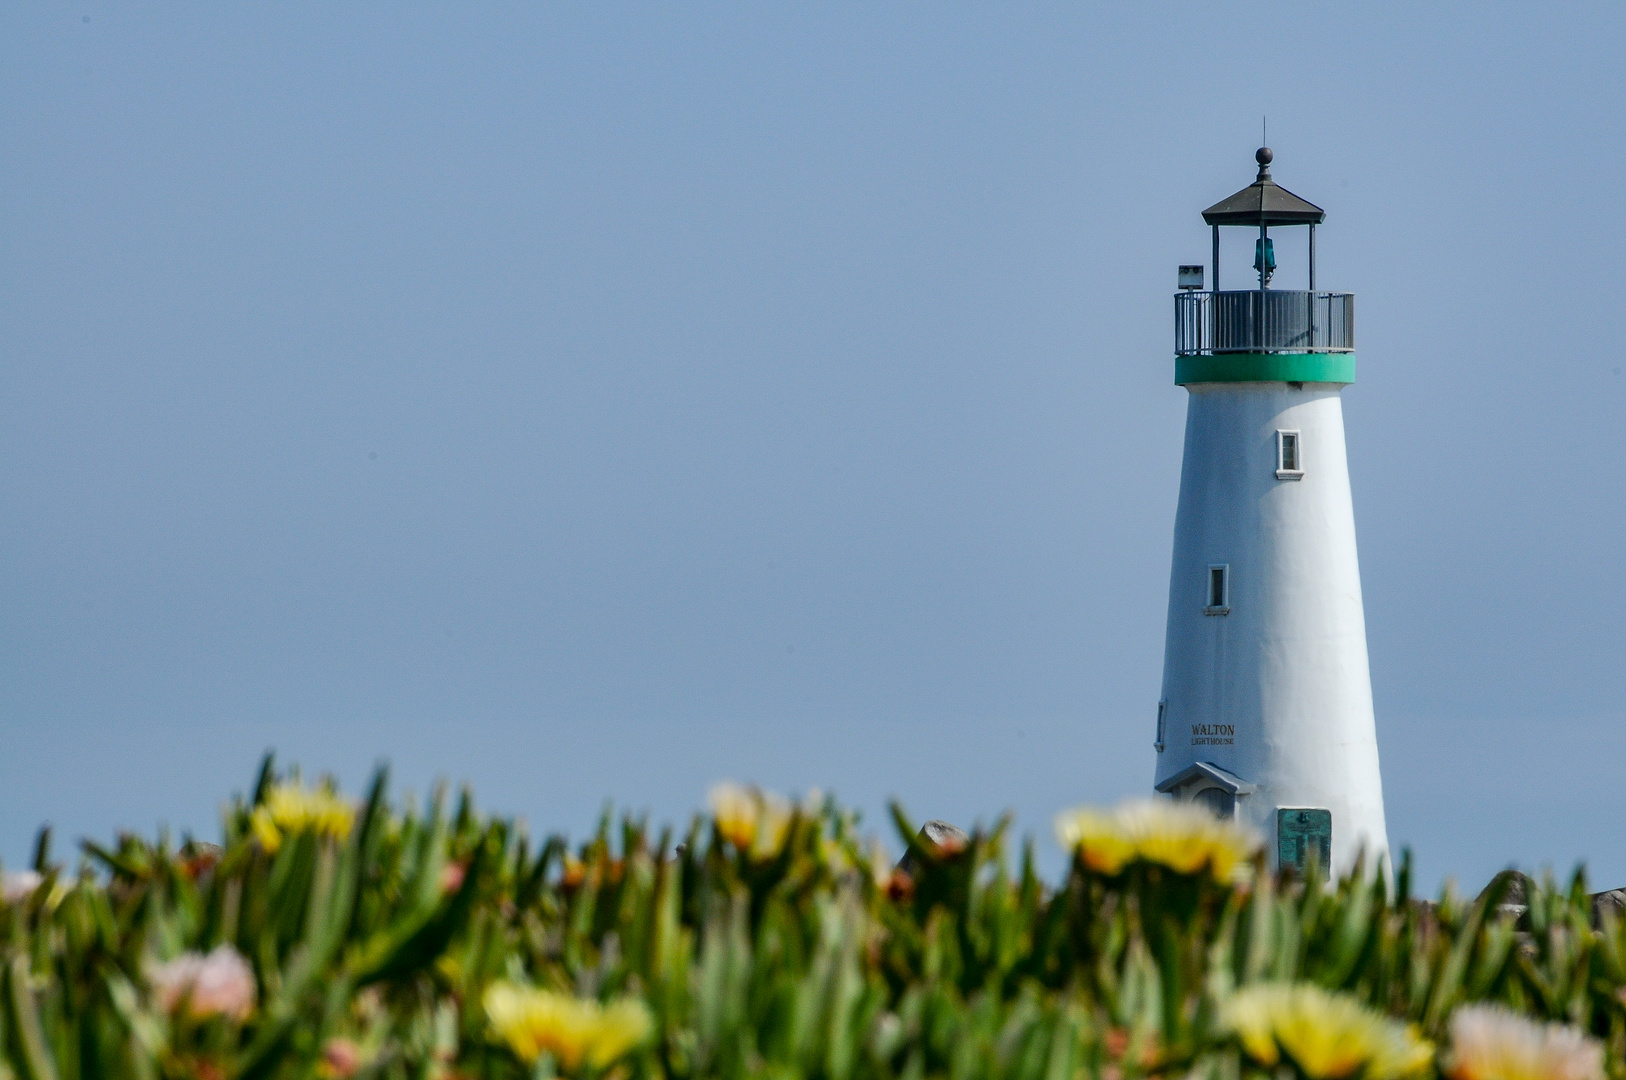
{"x": 591, "y": 403}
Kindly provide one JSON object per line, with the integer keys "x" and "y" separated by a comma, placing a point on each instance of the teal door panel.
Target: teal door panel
{"x": 1303, "y": 833}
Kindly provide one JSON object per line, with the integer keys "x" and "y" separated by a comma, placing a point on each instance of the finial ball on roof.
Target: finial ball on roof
{"x": 1263, "y": 155}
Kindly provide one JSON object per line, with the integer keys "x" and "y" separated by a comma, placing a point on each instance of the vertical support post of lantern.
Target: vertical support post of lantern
{"x": 1259, "y": 316}
{"x": 1216, "y": 259}
{"x": 1312, "y": 286}
{"x": 1312, "y": 256}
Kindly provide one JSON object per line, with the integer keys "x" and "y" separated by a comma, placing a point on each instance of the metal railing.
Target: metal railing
{"x": 1273, "y": 321}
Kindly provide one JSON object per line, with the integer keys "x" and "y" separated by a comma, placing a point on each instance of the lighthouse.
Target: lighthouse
{"x": 1266, "y": 710}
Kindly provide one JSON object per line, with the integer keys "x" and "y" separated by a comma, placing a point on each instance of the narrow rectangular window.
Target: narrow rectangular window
{"x": 1219, "y": 591}
{"x": 1289, "y": 459}
{"x": 1162, "y": 711}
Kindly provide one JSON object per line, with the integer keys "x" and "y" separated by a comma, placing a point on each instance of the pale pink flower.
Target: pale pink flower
{"x": 1489, "y": 1042}
{"x": 220, "y": 984}
{"x": 19, "y": 885}
{"x": 341, "y": 1059}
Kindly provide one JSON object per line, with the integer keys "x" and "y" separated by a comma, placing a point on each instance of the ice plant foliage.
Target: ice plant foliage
{"x": 1183, "y": 837}
{"x": 766, "y": 940}
{"x": 751, "y": 819}
{"x": 575, "y": 1031}
{"x": 1325, "y": 1036}
{"x": 1490, "y": 1042}
{"x": 219, "y": 984}
{"x": 290, "y": 809}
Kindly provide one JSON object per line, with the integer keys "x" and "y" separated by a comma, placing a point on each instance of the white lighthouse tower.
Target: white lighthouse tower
{"x": 1267, "y": 701}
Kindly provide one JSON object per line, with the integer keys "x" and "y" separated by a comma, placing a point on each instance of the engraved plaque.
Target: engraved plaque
{"x": 1302, "y": 833}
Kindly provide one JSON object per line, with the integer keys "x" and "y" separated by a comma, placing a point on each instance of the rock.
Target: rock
{"x": 1518, "y": 887}
{"x": 945, "y": 838}
{"x": 1515, "y": 898}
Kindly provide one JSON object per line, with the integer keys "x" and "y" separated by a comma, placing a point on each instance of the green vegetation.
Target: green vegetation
{"x": 323, "y": 938}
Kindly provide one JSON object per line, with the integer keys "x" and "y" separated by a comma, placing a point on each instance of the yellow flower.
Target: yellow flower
{"x": 289, "y": 809}
{"x": 1098, "y": 839}
{"x": 753, "y": 820}
{"x": 1489, "y": 1042}
{"x": 1184, "y": 837}
{"x": 573, "y": 1030}
{"x": 1327, "y": 1036}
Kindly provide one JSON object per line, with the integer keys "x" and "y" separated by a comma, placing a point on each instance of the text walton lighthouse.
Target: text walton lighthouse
{"x": 1266, "y": 712}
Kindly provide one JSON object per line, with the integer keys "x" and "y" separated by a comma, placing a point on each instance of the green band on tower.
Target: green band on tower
{"x": 1265, "y": 367}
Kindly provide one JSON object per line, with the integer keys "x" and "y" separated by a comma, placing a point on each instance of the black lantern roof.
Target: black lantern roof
{"x": 1263, "y": 202}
